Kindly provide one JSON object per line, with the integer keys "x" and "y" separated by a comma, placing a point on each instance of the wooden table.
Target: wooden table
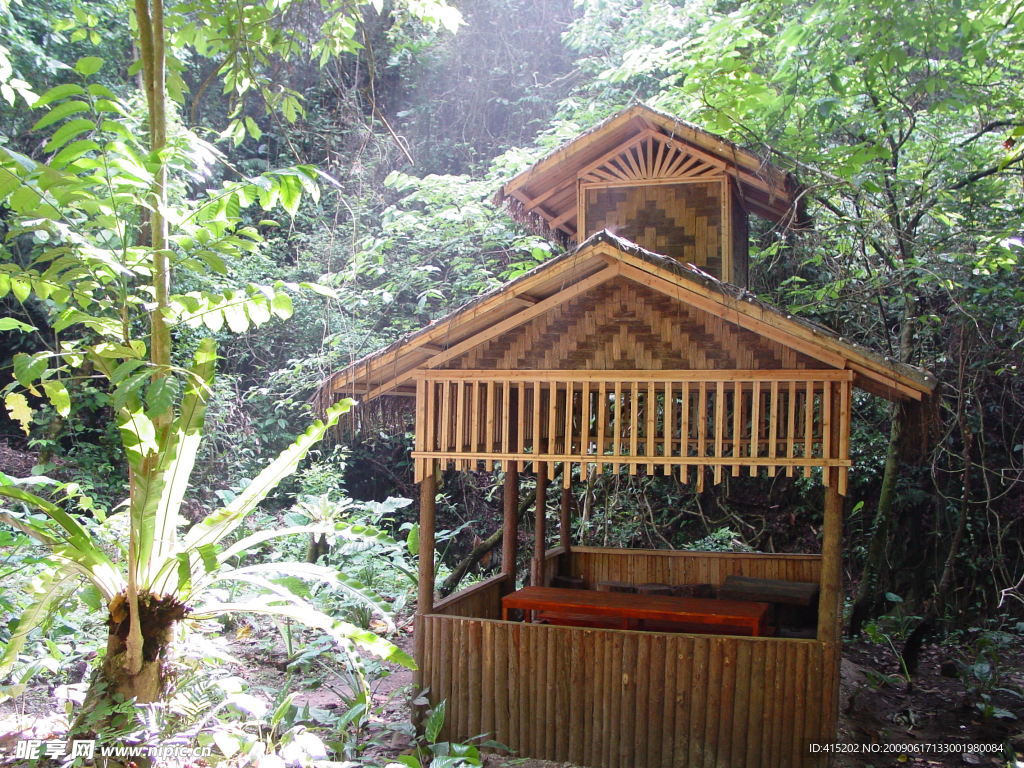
{"x": 689, "y": 614}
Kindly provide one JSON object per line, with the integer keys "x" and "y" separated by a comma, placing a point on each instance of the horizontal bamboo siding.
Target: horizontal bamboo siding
{"x": 615, "y": 699}
{"x": 681, "y": 421}
{"x": 666, "y": 567}
{"x": 482, "y": 600}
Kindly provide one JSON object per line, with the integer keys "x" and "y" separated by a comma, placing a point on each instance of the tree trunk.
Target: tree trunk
{"x": 867, "y": 600}
{"x": 152, "y": 682}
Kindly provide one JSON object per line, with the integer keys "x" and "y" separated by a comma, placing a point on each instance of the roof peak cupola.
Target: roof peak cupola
{"x": 665, "y": 184}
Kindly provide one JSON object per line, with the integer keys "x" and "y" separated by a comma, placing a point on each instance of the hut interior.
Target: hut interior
{"x": 637, "y": 350}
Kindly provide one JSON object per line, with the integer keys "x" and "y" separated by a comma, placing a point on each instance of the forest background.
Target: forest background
{"x": 903, "y": 121}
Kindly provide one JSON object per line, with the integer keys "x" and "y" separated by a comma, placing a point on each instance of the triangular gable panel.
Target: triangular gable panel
{"x": 622, "y": 325}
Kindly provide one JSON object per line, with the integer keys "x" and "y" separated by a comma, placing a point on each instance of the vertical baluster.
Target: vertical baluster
{"x": 719, "y": 427}
{"x": 617, "y": 426}
{"x": 634, "y": 424}
{"x": 489, "y": 418}
{"x": 538, "y": 437}
{"x": 791, "y": 428}
{"x": 773, "y": 426}
{"x": 421, "y": 427}
{"x": 506, "y": 418}
{"x": 755, "y": 426}
{"x": 584, "y": 424}
{"x": 808, "y": 427}
{"x": 460, "y": 417}
{"x": 737, "y": 425}
{"x": 667, "y": 449}
{"x": 474, "y": 427}
{"x": 569, "y": 386}
{"x": 602, "y": 417}
{"x": 826, "y": 431}
{"x": 446, "y": 416}
{"x": 652, "y": 415}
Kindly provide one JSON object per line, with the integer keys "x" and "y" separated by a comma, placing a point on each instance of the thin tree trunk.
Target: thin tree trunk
{"x": 876, "y": 562}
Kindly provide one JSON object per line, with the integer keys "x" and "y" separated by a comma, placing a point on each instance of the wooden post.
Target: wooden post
{"x": 511, "y": 524}
{"x": 540, "y": 525}
{"x": 425, "y": 600}
{"x": 830, "y": 597}
{"x": 831, "y": 594}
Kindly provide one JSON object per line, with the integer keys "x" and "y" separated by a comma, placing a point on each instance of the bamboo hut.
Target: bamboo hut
{"x": 638, "y": 349}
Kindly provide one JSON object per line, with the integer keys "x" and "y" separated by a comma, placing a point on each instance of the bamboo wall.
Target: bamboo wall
{"x": 637, "y": 566}
{"x": 482, "y": 600}
{"x": 615, "y": 699}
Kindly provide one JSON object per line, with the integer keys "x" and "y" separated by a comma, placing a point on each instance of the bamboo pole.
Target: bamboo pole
{"x": 539, "y": 525}
{"x": 425, "y": 597}
{"x": 565, "y": 518}
{"x": 510, "y": 525}
{"x": 428, "y": 493}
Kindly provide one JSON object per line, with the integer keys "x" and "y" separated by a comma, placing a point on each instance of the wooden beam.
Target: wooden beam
{"x": 617, "y": 374}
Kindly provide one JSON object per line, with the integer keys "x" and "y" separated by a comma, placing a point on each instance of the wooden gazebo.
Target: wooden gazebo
{"x": 645, "y": 355}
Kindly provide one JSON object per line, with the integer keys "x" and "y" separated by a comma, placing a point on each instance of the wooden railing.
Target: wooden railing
{"x": 730, "y": 421}
{"x": 595, "y": 564}
{"x": 481, "y": 600}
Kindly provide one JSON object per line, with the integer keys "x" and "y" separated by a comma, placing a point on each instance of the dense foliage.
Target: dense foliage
{"x": 375, "y": 139}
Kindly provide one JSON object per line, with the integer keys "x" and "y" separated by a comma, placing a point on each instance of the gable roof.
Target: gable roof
{"x": 601, "y": 258}
{"x": 548, "y": 188}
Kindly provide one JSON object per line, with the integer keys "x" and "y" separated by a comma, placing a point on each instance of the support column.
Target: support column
{"x": 510, "y": 526}
{"x": 425, "y": 597}
{"x": 565, "y": 521}
{"x": 540, "y": 525}
{"x": 830, "y": 600}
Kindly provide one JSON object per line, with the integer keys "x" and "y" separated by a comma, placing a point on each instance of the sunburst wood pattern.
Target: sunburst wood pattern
{"x": 652, "y": 156}
{"x": 626, "y": 326}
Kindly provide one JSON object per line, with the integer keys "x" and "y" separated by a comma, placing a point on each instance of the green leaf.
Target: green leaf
{"x": 435, "y": 721}
{"x": 10, "y": 324}
{"x": 68, "y": 131}
{"x": 29, "y": 368}
{"x": 57, "y": 93}
{"x": 49, "y": 587}
{"x": 281, "y": 305}
{"x": 59, "y": 112}
{"x": 88, "y": 65}
{"x": 219, "y": 524}
{"x": 58, "y": 396}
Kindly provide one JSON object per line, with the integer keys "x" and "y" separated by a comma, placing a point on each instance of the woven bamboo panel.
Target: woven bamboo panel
{"x": 678, "y": 220}
{"x": 621, "y": 324}
{"x": 617, "y": 699}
